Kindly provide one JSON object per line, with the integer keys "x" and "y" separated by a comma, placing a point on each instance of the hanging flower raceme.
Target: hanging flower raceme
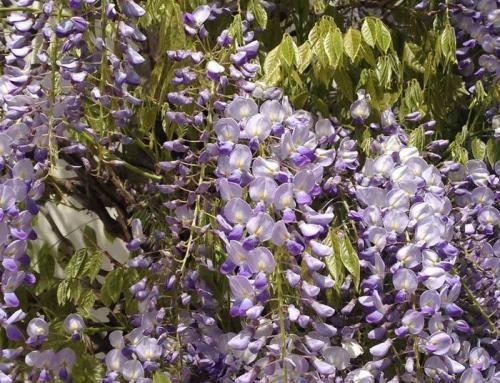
{"x": 282, "y": 161}
{"x": 477, "y": 31}
{"x": 412, "y": 233}
{"x": 24, "y": 153}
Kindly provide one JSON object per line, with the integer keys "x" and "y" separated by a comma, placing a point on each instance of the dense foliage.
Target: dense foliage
{"x": 308, "y": 190}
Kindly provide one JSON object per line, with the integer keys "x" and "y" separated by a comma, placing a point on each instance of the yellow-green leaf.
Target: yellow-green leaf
{"x": 417, "y": 138}
{"x": 478, "y": 149}
{"x": 384, "y": 39}
{"x": 259, "y": 13}
{"x": 314, "y": 35}
{"x": 235, "y": 29}
{"x": 350, "y": 260}
{"x": 410, "y": 53}
{"x": 459, "y": 154}
{"x": 160, "y": 377}
{"x": 333, "y": 261}
{"x": 369, "y": 31}
{"x": 352, "y": 43}
{"x": 448, "y": 44}
{"x": 492, "y": 152}
{"x": 272, "y": 67}
{"x": 305, "y": 56}
{"x": 289, "y": 50}
{"x": 63, "y": 292}
{"x": 333, "y": 47}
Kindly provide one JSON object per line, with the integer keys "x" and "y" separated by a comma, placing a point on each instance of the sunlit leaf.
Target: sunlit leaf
{"x": 235, "y": 29}
{"x": 272, "y": 66}
{"x": 289, "y": 51}
{"x": 63, "y": 292}
{"x": 333, "y": 262}
{"x": 350, "y": 260}
{"x": 448, "y": 43}
{"x": 305, "y": 56}
{"x": 76, "y": 265}
{"x": 369, "y": 31}
{"x": 352, "y": 43}
{"x": 160, "y": 377}
{"x": 92, "y": 264}
{"x": 259, "y": 13}
{"x": 333, "y": 47}
{"x": 417, "y": 138}
{"x": 478, "y": 149}
{"x": 86, "y": 303}
{"x": 384, "y": 39}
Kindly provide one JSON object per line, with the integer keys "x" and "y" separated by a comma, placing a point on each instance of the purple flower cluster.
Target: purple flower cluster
{"x": 24, "y": 153}
{"x": 273, "y": 164}
{"x": 93, "y": 69}
{"x": 44, "y": 83}
{"x": 478, "y": 25}
{"x": 412, "y": 230}
{"x": 289, "y": 253}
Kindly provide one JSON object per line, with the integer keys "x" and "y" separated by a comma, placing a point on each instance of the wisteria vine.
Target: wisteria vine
{"x": 268, "y": 243}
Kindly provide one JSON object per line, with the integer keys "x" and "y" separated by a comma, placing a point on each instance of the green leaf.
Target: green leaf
{"x": 478, "y": 149}
{"x": 352, "y": 43}
{"x": 333, "y": 45}
{"x": 314, "y": 35}
{"x": 366, "y": 140}
{"x": 112, "y": 286}
{"x": 333, "y": 262}
{"x": 235, "y": 29}
{"x": 76, "y": 264}
{"x": 417, "y": 138}
{"x": 461, "y": 136}
{"x": 46, "y": 262}
{"x": 87, "y": 368}
{"x": 86, "y": 303}
{"x": 369, "y": 31}
{"x": 92, "y": 265}
{"x": 367, "y": 54}
{"x": 300, "y": 99}
{"x": 305, "y": 56}
{"x": 272, "y": 67}
{"x": 429, "y": 68}
{"x": 480, "y": 93}
{"x": 384, "y": 39}
{"x": 289, "y": 50}
{"x": 411, "y": 54}
{"x": 259, "y": 13}
{"x": 413, "y": 100}
{"x": 63, "y": 292}
{"x": 322, "y": 56}
{"x": 349, "y": 258}
{"x": 459, "y": 154}
{"x": 492, "y": 152}
{"x": 448, "y": 44}
{"x": 89, "y": 237}
{"x": 344, "y": 84}
{"x": 384, "y": 71}
{"x": 160, "y": 377}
